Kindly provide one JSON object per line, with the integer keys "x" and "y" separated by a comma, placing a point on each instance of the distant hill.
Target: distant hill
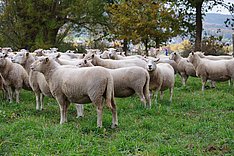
{"x": 213, "y": 24}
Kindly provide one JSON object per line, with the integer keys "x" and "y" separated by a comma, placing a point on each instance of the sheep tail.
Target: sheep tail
{"x": 146, "y": 89}
{"x": 109, "y": 92}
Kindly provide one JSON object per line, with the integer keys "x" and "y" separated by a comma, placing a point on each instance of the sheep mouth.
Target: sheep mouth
{"x": 150, "y": 69}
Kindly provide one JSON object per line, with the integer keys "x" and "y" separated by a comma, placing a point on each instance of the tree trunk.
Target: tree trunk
{"x": 125, "y": 46}
{"x": 157, "y": 42}
{"x": 233, "y": 42}
{"x": 198, "y": 25}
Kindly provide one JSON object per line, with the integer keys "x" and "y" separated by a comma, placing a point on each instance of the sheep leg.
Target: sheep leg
{"x": 17, "y": 95}
{"x": 148, "y": 100}
{"x": 37, "y": 101}
{"x": 80, "y": 110}
{"x": 203, "y": 84}
{"x": 9, "y": 92}
{"x": 171, "y": 94}
{"x": 142, "y": 97}
{"x": 41, "y": 101}
{"x": 99, "y": 108}
{"x": 184, "y": 79}
{"x": 213, "y": 83}
{"x": 63, "y": 104}
{"x": 114, "y": 114}
{"x": 161, "y": 95}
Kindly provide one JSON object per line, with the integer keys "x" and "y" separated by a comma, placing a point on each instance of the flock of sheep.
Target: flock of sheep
{"x": 92, "y": 77}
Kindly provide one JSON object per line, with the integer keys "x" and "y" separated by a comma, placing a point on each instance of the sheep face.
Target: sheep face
{"x": 191, "y": 57}
{"x": 172, "y": 56}
{"x": 2, "y": 59}
{"x": 20, "y": 57}
{"x": 151, "y": 65}
{"x": 40, "y": 65}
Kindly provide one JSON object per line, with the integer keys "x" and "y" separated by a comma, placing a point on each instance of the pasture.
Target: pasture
{"x": 195, "y": 124}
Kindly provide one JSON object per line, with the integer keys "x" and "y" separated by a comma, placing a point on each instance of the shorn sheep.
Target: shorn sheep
{"x": 15, "y": 77}
{"x": 36, "y": 79}
{"x": 128, "y": 81}
{"x": 161, "y": 77}
{"x": 185, "y": 68}
{"x": 222, "y": 70}
{"x": 78, "y": 85}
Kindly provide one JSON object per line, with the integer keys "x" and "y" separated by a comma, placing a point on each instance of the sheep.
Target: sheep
{"x": 161, "y": 77}
{"x": 36, "y": 79}
{"x": 210, "y": 57}
{"x": 113, "y": 64}
{"x": 221, "y": 70}
{"x": 113, "y": 55}
{"x": 15, "y": 77}
{"x": 128, "y": 81}
{"x": 185, "y": 68}
{"x": 78, "y": 85}
{"x": 3, "y": 87}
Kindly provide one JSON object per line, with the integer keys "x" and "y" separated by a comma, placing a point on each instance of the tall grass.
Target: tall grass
{"x": 194, "y": 124}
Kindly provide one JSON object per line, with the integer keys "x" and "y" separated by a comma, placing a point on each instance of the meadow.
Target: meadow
{"x": 194, "y": 124}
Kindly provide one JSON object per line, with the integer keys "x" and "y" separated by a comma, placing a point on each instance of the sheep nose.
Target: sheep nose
{"x": 149, "y": 66}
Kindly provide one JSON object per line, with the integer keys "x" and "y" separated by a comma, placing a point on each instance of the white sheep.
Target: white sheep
{"x": 36, "y": 79}
{"x": 78, "y": 85}
{"x": 15, "y": 77}
{"x": 161, "y": 77}
{"x": 113, "y": 64}
{"x": 210, "y": 57}
{"x": 184, "y": 67}
{"x": 221, "y": 70}
{"x": 128, "y": 81}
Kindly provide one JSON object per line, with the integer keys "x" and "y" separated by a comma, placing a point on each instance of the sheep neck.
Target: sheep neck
{"x": 28, "y": 62}
{"x": 177, "y": 58}
{"x": 98, "y": 62}
{"x": 196, "y": 61}
{"x": 50, "y": 69}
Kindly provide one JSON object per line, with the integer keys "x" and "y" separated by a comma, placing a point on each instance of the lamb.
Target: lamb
{"x": 128, "y": 81}
{"x": 15, "y": 77}
{"x": 76, "y": 85}
{"x": 36, "y": 79}
{"x": 113, "y": 64}
{"x": 161, "y": 77}
{"x": 221, "y": 70}
{"x": 210, "y": 57}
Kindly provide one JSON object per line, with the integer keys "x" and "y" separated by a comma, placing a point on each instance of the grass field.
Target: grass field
{"x": 195, "y": 124}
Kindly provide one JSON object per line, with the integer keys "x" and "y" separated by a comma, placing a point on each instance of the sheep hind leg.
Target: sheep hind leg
{"x": 63, "y": 105}
{"x": 99, "y": 109}
{"x": 141, "y": 95}
{"x": 9, "y": 92}
{"x": 114, "y": 114}
{"x": 161, "y": 95}
{"x": 17, "y": 95}
{"x": 80, "y": 110}
{"x": 203, "y": 85}
{"x": 171, "y": 94}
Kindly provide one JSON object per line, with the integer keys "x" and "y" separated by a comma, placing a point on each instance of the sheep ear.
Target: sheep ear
{"x": 27, "y": 54}
{"x": 157, "y": 59}
{"x": 58, "y": 55}
{"x": 46, "y": 60}
{"x": 92, "y": 55}
{"x": 192, "y": 53}
{"x": 5, "y": 55}
{"x": 83, "y": 54}
{"x": 85, "y": 61}
{"x": 175, "y": 53}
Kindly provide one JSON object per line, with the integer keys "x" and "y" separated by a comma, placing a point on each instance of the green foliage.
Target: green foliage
{"x": 142, "y": 20}
{"x": 194, "y": 124}
{"x": 36, "y": 24}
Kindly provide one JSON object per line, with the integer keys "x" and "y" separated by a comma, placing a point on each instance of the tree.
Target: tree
{"x": 42, "y": 24}
{"x": 143, "y": 20}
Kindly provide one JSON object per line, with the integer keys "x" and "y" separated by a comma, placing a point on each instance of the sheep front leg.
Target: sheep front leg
{"x": 37, "y": 101}
{"x": 80, "y": 110}
{"x": 99, "y": 116}
{"x": 41, "y": 101}
{"x": 171, "y": 94}
{"x": 203, "y": 84}
{"x": 9, "y": 92}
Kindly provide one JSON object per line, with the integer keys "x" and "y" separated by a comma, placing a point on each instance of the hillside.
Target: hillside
{"x": 213, "y": 22}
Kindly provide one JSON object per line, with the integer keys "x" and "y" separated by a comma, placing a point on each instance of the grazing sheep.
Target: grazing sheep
{"x": 210, "y": 57}
{"x": 221, "y": 70}
{"x": 36, "y": 79}
{"x": 15, "y": 77}
{"x": 113, "y": 64}
{"x": 128, "y": 81}
{"x": 161, "y": 77}
{"x": 78, "y": 85}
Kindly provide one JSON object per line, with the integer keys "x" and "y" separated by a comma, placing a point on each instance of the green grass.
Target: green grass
{"x": 195, "y": 124}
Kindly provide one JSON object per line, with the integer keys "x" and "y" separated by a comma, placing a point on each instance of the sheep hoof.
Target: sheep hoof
{"x": 79, "y": 116}
{"x": 113, "y": 126}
